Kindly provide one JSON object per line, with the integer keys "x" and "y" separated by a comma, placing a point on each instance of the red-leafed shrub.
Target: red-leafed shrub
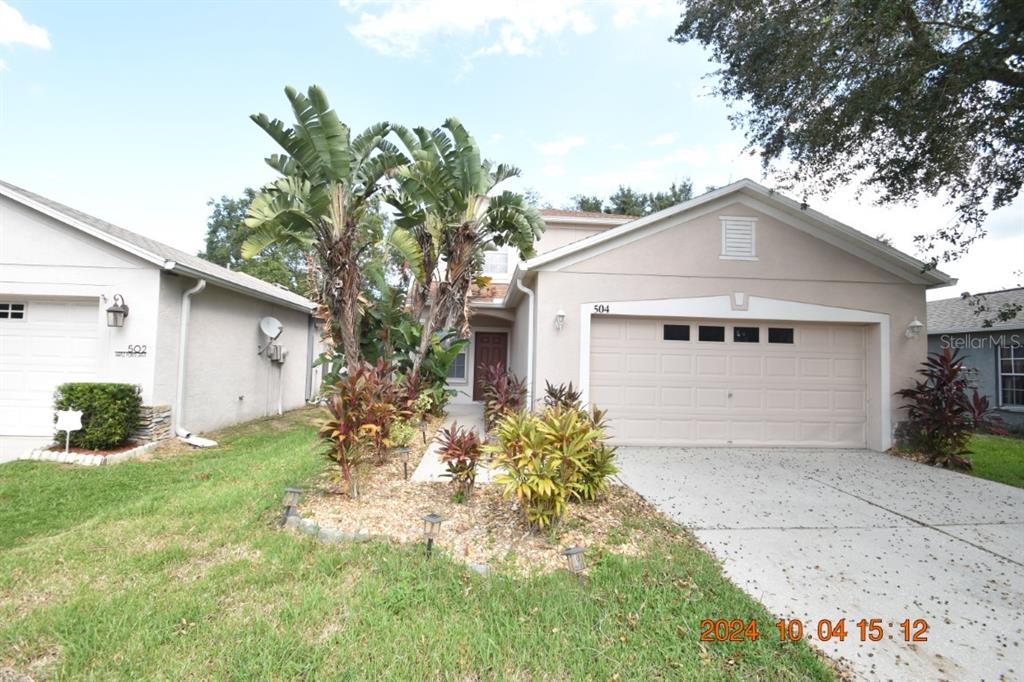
{"x": 460, "y": 450}
{"x": 941, "y": 413}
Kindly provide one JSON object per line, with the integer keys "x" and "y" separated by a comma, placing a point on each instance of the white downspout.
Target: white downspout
{"x": 179, "y": 397}
{"x": 529, "y": 342}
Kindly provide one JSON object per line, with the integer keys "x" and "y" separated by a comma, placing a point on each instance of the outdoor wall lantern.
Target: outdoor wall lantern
{"x": 574, "y": 557}
{"x": 117, "y": 312}
{"x": 290, "y": 502}
{"x": 914, "y": 328}
{"x": 431, "y": 524}
{"x": 559, "y": 319}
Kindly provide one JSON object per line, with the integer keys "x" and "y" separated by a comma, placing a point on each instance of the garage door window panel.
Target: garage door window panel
{"x": 12, "y": 311}
{"x": 676, "y": 332}
{"x": 711, "y": 333}
{"x": 780, "y": 335}
{"x": 746, "y": 334}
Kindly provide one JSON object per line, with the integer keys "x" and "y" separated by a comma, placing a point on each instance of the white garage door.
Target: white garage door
{"x": 43, "y": 343}
{"x": 708, "y": 382}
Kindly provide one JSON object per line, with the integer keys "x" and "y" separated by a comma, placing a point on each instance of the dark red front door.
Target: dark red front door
{"x": 491, "y": 349}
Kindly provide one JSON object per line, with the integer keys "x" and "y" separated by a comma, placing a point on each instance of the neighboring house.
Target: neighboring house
{"x": 60, "y": 270}
{"x": 739, "y": 317}
{"x": 996, "y": 353}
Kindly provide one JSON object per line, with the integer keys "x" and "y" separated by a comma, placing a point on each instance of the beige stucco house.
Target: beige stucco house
{"x": 739, "y": 317}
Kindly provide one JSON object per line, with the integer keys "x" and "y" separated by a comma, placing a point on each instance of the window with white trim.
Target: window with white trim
{"x": 1011, "y": 376}
{"x": 496, "y": 263}
{"x": 457, "y": 370}
{"x": 12, "y": 311}
{"x": 739, "y": 238}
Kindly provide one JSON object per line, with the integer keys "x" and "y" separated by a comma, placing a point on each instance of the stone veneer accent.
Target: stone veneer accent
{"x": 154, "y": 424}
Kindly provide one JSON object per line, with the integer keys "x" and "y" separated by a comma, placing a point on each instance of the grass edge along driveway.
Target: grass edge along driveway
{"x": 173, "y": 568}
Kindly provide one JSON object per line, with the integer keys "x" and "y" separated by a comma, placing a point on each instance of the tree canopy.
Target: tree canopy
{"x": 909, "y": 98}
{"x": 283, "y": 264}
{"x": 628, "y": 201}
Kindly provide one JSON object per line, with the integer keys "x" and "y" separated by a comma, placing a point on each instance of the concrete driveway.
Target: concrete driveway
{"x": 852, "y": 534}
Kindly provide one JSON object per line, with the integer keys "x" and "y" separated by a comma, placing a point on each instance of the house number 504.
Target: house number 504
{"x": 602, "y": 308}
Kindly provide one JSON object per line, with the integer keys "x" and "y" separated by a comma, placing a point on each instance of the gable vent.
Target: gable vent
{"x": 738, "y": 238}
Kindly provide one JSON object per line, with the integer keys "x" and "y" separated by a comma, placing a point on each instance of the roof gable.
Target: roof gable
{"x": 761, "y": 199}
{"x": 157, "y": 253}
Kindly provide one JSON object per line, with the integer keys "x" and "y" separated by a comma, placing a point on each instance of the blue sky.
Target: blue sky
{"x": 138, "y": 112}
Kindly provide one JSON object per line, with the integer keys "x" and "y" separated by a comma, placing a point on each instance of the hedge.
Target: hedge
{"x": 110, "y": 413}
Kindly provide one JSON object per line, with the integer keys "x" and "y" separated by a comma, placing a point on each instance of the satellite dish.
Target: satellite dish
{"x": 271, "y": 327}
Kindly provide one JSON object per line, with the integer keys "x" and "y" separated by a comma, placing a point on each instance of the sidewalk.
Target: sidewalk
{"x": 430, "y": 468}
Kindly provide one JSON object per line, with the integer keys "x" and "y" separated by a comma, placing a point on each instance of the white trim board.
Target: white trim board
{"x": 758, "y": 308}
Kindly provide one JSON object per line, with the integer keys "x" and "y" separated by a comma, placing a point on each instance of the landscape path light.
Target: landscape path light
{"x": 290, "y": 502}
{"x": 431, "y": 524}
{"x": 574, "y": 558}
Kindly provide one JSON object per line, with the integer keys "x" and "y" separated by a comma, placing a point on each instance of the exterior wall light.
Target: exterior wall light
{"x": 559, "y": 319}
{"x": 914, "y": 328}
{"x": 117, "y": 312}
{"x": 290, "y": 502}
{"x": 574, "y": 558}
{"x": 431, "y": 524}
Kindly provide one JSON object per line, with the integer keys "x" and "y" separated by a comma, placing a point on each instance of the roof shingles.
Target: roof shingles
{"x": 169, "y": 253}
{"x": 955, "y": 315}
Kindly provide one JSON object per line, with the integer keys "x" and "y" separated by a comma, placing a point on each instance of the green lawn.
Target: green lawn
{"x": 173, "y": 568}
{"x": 998, "y": 458}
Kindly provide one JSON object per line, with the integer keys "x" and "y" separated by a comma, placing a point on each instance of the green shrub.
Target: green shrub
{"x": 545, "y": 460}
{"x": 110, "y": 413}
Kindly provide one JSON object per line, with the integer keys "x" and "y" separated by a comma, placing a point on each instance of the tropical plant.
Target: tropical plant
{"x": 528, "y": 470}
{"x": 460, "y": 450}
{"x": 226, "y": 232}
{"x": 441, "y": 353}
{"x": 347, "y": 429}
{"x": 940, "y": 414}
{"x": 546, "y": 460}
{"x": 984, "y": 418}
{"x": 503, "y": 393}
{"x": 402, "y": 434}
{"x": 562, "y": 395}
{"x": 448, "y": 202}
{"x": 323, "y": 202}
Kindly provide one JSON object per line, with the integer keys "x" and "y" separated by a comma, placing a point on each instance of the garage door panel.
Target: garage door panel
{"x": 642, "y": 363}
{"x": 810, "y": 392}
{"x": 814, "y": 400}
{"x": 780, "y": 367}
{"x": 747, "y": 398}
{"x": 746, "y": 366}
{"x": 56, "y": 342}
{"x": 849, "y": 400}
{"x": 672, "y": 396}
{"x": 676, "y": 364}
{"x": 711, "y": 365}
{"x": 641, "y": 330}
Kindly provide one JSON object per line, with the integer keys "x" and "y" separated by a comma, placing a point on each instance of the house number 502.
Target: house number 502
{"x": 602, "y": 308}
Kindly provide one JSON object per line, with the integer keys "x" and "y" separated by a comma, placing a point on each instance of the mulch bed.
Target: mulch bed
{"x": 486, "y": 529}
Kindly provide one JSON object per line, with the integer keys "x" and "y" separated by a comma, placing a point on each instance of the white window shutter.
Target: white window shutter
{"x": 738, "y": 239}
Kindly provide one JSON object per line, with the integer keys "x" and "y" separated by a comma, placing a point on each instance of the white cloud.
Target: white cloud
{"x": 628, "y": 12}
{"x": 513, "y": 28}
{"x": 553, "y": 170}
{"x": 664, "y": 139}
{"x": 497, "y": 137}
{"x": 3, "y": 65}
{"x": 560, "y": 147}
{"x": 15, "y": 30}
